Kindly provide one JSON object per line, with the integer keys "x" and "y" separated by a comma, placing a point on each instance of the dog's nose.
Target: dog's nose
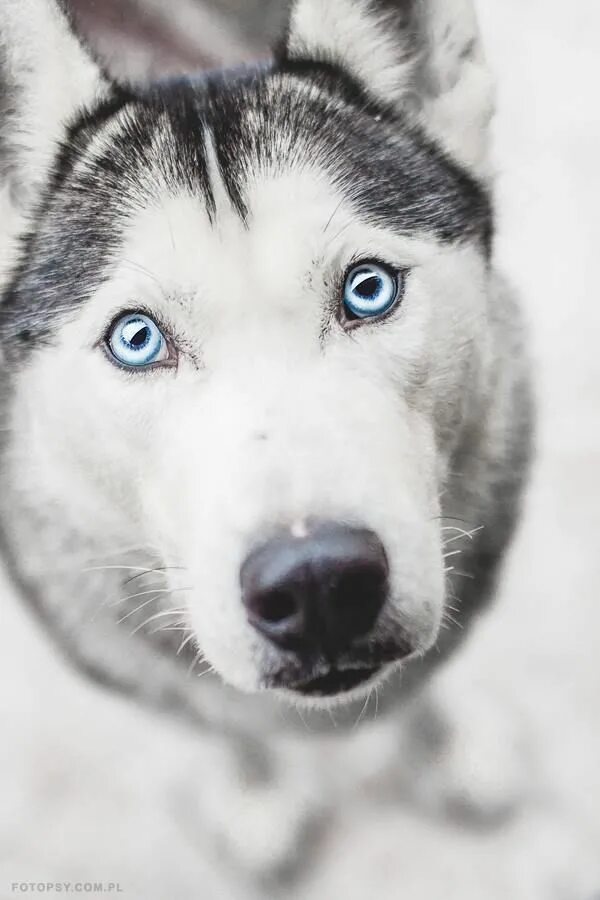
{"x": 317, "y": 593}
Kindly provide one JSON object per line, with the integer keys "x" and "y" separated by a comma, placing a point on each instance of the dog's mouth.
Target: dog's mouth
{"x": 331, "y": 677}
{"x": 334, "y": 682}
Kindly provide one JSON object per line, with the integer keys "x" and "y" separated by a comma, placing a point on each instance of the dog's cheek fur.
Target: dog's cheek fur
{"x": 80, "y": 444}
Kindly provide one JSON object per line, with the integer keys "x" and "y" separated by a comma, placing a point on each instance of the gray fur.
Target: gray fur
{"x": 484, "y": 430}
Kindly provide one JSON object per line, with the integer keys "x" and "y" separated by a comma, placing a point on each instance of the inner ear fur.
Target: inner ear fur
{"x": 423, "y": 57}
{"x": 47, "y": 77}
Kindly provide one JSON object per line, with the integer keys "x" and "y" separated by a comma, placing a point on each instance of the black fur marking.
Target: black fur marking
{"x": 293, "y": 115}
{"x": 83, "y": 129}
{"x": 335, "y": 79}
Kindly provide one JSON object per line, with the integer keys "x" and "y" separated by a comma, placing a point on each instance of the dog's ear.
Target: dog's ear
{"x": 421, "y": 56}
{"x": 46, "y": 77}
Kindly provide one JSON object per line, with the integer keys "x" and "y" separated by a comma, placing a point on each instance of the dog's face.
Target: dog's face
{"x": 240, "y": 335}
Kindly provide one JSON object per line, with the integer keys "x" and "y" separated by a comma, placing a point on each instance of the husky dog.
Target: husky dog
{"x": 264, "y": 398}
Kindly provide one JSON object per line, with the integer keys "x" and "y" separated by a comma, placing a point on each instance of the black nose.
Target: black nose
{"x": 317, "y": 593}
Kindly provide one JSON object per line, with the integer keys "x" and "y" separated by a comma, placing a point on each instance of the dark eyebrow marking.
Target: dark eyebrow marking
{"x": 83, "y": 129}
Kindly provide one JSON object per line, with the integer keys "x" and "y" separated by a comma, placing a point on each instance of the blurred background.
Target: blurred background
{"x": 94, "y": 789}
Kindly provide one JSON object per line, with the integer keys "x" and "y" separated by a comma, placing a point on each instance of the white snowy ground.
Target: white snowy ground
{"x": 93, "y": 789}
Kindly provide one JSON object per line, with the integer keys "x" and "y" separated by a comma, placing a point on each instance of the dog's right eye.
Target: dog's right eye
{"x": 371, "y": 291}
{"x": 136, "y": 342}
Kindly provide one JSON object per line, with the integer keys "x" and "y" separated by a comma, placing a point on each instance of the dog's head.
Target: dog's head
{"x": 242, "y": 327}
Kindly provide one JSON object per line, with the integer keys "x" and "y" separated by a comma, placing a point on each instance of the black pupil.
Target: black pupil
{"x": 369, "y": 288}
{"x": 140, "y": 337}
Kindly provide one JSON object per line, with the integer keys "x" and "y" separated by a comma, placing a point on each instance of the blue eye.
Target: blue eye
{"x": 371, "y": 290}
{"x": 136, "y": 341}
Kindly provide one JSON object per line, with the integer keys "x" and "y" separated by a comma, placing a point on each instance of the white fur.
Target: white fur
{"x": 266, "y": 422}
{"x": 176, "y": 459}
{"x": 435, "y": 67}
{"x": 351, "y": 33}
{"x": 461, "y": 104}
{"x": 54, "y": 75}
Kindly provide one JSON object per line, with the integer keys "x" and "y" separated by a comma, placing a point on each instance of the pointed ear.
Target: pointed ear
{"x": 423, "y": 57}
{"x": 46, "y": 77}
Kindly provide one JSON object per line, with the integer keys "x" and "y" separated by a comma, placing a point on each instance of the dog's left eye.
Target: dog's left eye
{"x": 136, "y": 341}
{"x": 371, "y": 290}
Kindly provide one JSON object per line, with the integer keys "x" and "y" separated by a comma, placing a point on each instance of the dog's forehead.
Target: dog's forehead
{"x": 268, "y": 146}
{"x": 272, "y": 122}
{"x": 295, "y": 221}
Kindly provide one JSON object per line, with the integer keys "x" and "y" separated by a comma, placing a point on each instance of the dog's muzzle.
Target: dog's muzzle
{"x": 318, "y": 598}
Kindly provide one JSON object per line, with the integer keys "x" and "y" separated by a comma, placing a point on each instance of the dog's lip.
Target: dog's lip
{"x": 331, "y": 676}
{"x": 335, "y": 681}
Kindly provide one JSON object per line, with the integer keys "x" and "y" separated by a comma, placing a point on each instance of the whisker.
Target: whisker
{"x": 338, "y": 235}
{"x": 185, "y": 642}
{"x": 209, "y": 671}
{"x": 141, "y": 569}
{"x": 136, "y": 610}
{"x": 170, "y": 628}
{"x": 160, "y": 615}
{"x": 453, "y": 553}
{"x": 160, "y": 570}
{"x": 449, "y": 618}
{"x": 145, "y": 594}
{"x": 363, "y": 711}
{"x": 198, "y": 658}
{"x": 460, "y": 574}
{"x": 137, "y": 267}
{"x": 452, "y": 519}
{"x": 454, "y": 528}
{"x": 469, "y": 535}
{"x": 333, "y": 215}
{"x": 303, "y": 720}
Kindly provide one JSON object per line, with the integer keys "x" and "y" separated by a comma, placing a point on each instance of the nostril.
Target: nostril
{"x": 275, "y": 607}
{"x": 357, "y": 599}
{"x": 354, "y": 584}
{"x": 278, "y": 614}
